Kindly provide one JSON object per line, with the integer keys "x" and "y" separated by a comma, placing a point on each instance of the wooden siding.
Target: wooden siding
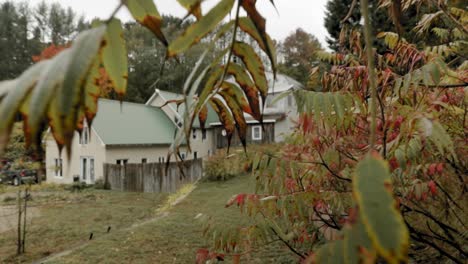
{"x": 268, "y": 136}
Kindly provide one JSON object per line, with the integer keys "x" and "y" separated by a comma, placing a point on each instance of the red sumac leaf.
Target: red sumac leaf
{"x": 202, "y": 256}
{"x": 432, "y": 187}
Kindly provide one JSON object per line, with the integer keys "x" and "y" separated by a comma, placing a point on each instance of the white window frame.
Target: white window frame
{"x": 84, "y": 138}
{"x": 254, "y": 137}
{"x": 87, "y": 169}
{"x": 58, "y": 168}
{"x": 121, "y": 162}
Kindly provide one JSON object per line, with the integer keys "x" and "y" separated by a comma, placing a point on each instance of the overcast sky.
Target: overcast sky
{"x": 307, "y": 14}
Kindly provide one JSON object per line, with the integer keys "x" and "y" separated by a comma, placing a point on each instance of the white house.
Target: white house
{"x": 140, "y": 133}
{"x": 120, "y": 134}
{"x": 279, "y": 116}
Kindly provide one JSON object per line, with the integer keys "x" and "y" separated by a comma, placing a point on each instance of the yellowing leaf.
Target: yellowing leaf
{"x": 114, "y": 57}
{"x": 254, "y": 65}
{"x": 50, "y": 81}
{"x": 194, "y": 33}
{"x": 83, "y": 52}
{"x": 193, "y": 7}
{"x": 92, "y": 92}
{"x": 378, "y": 209}
{"x": 232, "y": 90}
{"x": 250, "y": 90}
{"x": 146, "y": 13}
{"x": 238, "y": 115}
{"x": 264, "y": 41}
{"x": 15, "y": 97}
{"x": 224, "y": 116}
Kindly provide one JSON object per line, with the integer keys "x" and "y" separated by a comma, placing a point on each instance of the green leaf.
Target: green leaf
{"x": 92, "y": 92}
{"x": 339, "y": 104}
{"x": 55, "y": 124}
{"x": 195, "y": 32}
{"x": 406, "y": 83}
{"x": 355, "y": 240}
{"x": 377, "y": 207}
{"x": 16, "y": 96}
{"x": 264, "y": 41}
{"x": 260, "y": 24}
{"x": 318, "y": 107}
{"x": 83, "y": 52}
{"x": 114, "y": 57}
{"x": 254, "y": 65}
{"x": 146, "y": 13}
{"x": 332, "y": 253}
{"x": 214, "y": 78}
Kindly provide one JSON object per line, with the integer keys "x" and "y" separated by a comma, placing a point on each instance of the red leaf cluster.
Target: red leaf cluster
{"x": 49, "y": 52}
{"x": 204, "y": 255}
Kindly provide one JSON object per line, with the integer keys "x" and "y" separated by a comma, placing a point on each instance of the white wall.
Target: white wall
{"x": 202, "y": 147}
{"x": 95, "y": 148}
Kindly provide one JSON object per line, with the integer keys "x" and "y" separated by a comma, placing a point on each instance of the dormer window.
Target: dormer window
{"x": 84, "y": 139}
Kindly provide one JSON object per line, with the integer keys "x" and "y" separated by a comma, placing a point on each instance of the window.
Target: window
{"x": 122, "y": 161}
{"x": 194, "y": 134}
{"x": 58, "y": 168}
{"x": 177, "y": 121}
{"x": 204, "y": 135}
{"x": 195, "y": 155}
{"x": 182, "y": 156}
{"x": 144, "y": 160}
{"x": 290, "y": 100}
{"x": 84, "y": 139}
{"x": 257, "y": 133}
{"x": 161, "y": 159}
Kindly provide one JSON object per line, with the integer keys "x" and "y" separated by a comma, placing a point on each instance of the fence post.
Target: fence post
{"x": 26, "y": 194}
{"x": 18, "y": 248}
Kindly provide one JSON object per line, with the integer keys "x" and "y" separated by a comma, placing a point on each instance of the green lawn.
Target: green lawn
{"x": 66, "y": 219}
{"x": 176, "y": 237}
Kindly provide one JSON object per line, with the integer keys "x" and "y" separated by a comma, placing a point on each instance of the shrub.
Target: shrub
{"x": 100, "y": 185}
{"x": 223, "y": 166}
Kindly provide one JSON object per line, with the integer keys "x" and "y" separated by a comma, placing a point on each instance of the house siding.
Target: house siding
{"x": 268, "y": 136}
{"x": 95, "y": 148}
{"x": 135, "y": 154}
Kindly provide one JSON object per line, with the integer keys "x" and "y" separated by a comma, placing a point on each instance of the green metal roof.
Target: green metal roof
{"x": 132, "y": 124}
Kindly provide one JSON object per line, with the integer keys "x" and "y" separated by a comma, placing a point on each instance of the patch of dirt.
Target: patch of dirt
{"x": 9, "y": 217}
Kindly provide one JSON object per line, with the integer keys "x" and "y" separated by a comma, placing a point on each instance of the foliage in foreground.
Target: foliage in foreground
{"x": 62, "y": 92}
{"x": 330, "y": 201}
{"x": 326, "y": 195}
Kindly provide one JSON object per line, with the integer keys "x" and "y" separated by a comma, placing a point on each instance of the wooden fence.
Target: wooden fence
{"x": 151, "y": 177}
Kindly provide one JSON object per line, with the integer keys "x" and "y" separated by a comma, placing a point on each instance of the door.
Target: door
{"x": 91, "y": 170}
{"x": 87, "y": 170}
